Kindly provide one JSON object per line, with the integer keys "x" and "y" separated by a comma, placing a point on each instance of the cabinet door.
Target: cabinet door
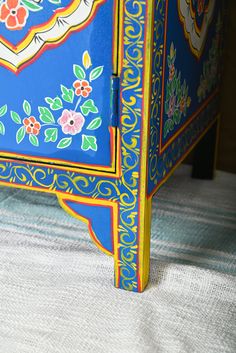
{"x": 56, "y": 65}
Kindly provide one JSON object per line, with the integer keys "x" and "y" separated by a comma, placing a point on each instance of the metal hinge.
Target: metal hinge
{"x": 115, "y": 86}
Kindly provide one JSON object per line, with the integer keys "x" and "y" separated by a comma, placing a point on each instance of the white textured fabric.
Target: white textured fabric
{"x": 57, "y": 294}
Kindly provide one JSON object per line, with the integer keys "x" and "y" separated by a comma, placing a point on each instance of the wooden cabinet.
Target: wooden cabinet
{"x": 100, "y": 101}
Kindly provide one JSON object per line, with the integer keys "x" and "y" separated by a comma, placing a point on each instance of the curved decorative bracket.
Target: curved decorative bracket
{"x": 101, "y": 217}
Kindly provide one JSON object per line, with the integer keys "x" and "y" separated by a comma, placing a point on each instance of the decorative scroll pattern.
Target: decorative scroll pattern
{"x": 157, "y": 70}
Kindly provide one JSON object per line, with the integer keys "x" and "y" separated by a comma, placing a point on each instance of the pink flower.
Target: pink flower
{"x": 71, "y": 122}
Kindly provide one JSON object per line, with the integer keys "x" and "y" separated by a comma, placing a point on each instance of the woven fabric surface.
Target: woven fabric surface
{"x": 56, "y": 288}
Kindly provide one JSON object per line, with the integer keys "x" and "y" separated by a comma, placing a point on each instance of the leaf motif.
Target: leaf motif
{"x": 15, "y": 117}
{"x": 2, "y": 128}
{"x": 95, "y": 124}
{"x": 95, "y": 73}
{"x": 89, "y": 143}
{"x": 51, "y": 135}
{"x": 46, "y": 116}
{"x": 27, "y": 107}
{"x": 86, "y": 60}
{"x": 20, "y": 134}
{"x": 55, "y": 103}
{"x": 79, "y": 72}
{"x": 34, "y": 140}
{"x": 3, "y": 110}
{"x": 88, "y": 107}
{"x": 65, "y": 142}
{"x": 67, "y": 94}
{"x": 31, "y": 6}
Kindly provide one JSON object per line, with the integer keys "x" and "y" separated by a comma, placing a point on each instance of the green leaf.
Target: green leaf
{"x": 34, "y": 140}
{"x": 51, "y": 135}
{"x": 3, "y": 110}
{"x": 2, "y": 128}
{"x": 56, "y": 2}
{"x": 65, "y": 142}
{"x": 88, "y": 107}
{"x": 89, "y": 143}
{"x": 32, "y": 6}
{"x": 95, "y": 124}
{"x": 27, "y": 107}
{"x": 79, "y": 72}
{"x": 15, "y": 117}
{"x": 20, "y": 134}
{"x": 95, "y": 73}
{"x": 55, "y": 104}
{"x": 46, "y": 116}
{"x": 67, "y": 94}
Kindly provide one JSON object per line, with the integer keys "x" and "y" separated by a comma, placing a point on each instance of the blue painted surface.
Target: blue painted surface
{"x": 101, "y": 221}
{"x": 43, "y": 79}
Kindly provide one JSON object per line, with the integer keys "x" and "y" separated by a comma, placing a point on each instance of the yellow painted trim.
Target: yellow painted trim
{"x": 113, "y": 171}
{"x": 144, "y": 204}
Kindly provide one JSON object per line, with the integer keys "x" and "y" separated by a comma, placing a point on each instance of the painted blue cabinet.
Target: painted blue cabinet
{"x": 99, "y": 101}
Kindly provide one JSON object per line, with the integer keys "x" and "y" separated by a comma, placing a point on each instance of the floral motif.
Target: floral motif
{"x": 177, "y": 98}
{"x": 200, "y": 6}
{"x": 82, "y": 88}
{"x": 71, "y": 122}
{"x": 14, "y": 13}
{"x": 61, "y": 116}
{"x": 32, "y": 126}
{"x": 210, "y": 75}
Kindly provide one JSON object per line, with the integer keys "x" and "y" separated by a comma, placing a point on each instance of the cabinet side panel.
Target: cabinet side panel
{"x": 160, "y": 13}
{"x": 186, "y": 78}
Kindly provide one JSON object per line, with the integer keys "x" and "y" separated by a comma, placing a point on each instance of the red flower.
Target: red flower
{"x": 13, "y": 14}
{"x": 200, "y": 7}
{"x": 32, "y": 125}
{"x": 82, "y": 88}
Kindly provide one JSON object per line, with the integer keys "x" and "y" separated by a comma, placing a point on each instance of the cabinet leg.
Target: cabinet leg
{"x": 204, "y": 159}
{"x": 133, "y": 261}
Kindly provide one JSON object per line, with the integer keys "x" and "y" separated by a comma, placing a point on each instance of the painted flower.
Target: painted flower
{"x": 171, "y": 72}
{"x": 171, "y": 109}
{"x": 82, "y": 88}
{"x": 32, "y": 126}
{"x": 13, "y": 14}
{"x": 71, "y": 122}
